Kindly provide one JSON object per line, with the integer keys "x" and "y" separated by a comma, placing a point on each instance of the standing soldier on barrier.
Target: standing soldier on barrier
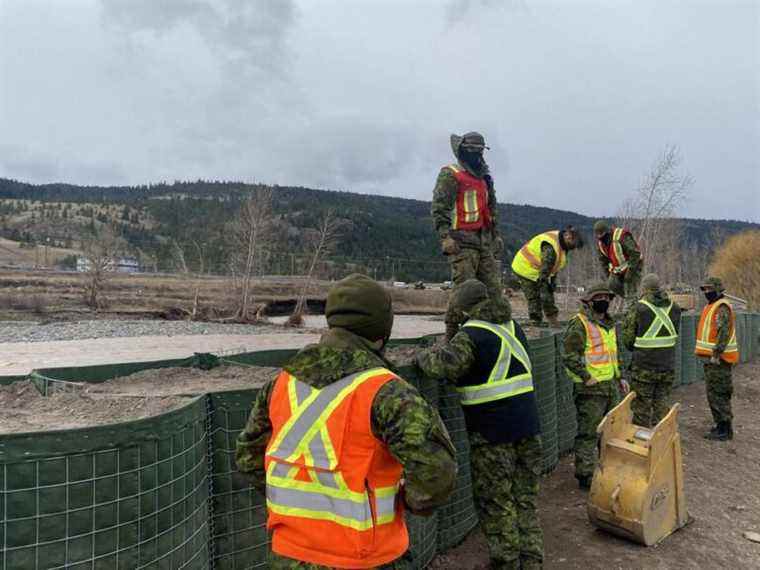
{"x": 717, "y": 346}
{"x": 488, "y": 361}
{"x": 341, "y": 445}
{"x": 465, "y": 217}
{"x": 591, "y": 361}
{"x": 650, "y": 331}
{"x": 620, "y": 258}
{"x": 536, "y": 265}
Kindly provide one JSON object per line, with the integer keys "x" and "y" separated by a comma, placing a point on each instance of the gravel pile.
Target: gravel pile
{"x": 80, "y": 330}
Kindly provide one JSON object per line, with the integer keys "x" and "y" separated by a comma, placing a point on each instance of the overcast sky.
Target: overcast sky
{"x": 575, "y": 99}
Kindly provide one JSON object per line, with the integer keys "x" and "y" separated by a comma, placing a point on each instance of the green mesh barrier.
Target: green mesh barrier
{"x": 567, "y": 425}
{"x": 131, "y": 495}
{"x": 542, "y": 357}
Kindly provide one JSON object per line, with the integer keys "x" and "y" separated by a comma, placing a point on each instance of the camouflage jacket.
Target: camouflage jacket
{"x": 548, "y": 259}
{"x": 409, "y": 426}
{"x": 631, "y": 252}
{"x": 444, "y": 202}
{"x": 649, "y": 358}
{"x": 574, "y": 350}
{"x": 723, "y": 321}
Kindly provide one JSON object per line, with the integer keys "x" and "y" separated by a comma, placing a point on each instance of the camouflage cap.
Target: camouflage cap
{"x": 650, "y": 282}
{"x": 601, "y": 227}
{"x": 361, "y": 305}
{"x": 472, "y": 140}
{"x": 713, "y": 283}
{"x": 599, "y": 288}
{"x": 469, "y": 294}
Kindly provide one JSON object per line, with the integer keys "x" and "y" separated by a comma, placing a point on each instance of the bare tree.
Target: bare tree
{"x": 252, "y": 232}
{"x": 323, "y": 243}
{"x": 100, "y": 253}
{"x": 650, "y": 212}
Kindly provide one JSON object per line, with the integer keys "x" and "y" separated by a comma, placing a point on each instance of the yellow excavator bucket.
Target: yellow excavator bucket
{"x": 637, "y": 490}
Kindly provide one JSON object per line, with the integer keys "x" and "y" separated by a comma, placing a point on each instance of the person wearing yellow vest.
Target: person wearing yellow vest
{"x": 590, "y": 357}
{"x": 536, "y": 265}
{"x": 341, "y": 445}
{"x": 620, "y": 259}
{"x": 488, "y": 362}
{"x": 650, "y": 332}
{"x": 718, "y": 349}
{"x": 465, "y": 216}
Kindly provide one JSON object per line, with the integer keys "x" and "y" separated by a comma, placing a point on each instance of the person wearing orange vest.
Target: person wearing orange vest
{"x": 590, "y": 357}
{"x": 465, "y": 217}
{"x": 718, "y": 349}
{"x": 620, "y": 258}
{"x": 536, "y": 265}
{"x": 342, "y": 446}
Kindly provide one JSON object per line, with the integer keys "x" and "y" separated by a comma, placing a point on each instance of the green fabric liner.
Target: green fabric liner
{"x": 234, "y": 516}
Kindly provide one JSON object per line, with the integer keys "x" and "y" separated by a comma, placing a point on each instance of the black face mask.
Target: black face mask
{"x": 606, "y": 239}
{"x": 472, "y": 159}
{"x": 712, "y": 296}
{"x": 600, "y": 306}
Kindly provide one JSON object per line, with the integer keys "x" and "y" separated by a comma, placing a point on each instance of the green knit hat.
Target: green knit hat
{"x": 469, "y": 294}
{"x": 650, "y": 283}
{"x": 596, "y": 289}
{"x": 361, "y": 305}
{"x": 601, "y": 227}
{"x": 713, "y": 282}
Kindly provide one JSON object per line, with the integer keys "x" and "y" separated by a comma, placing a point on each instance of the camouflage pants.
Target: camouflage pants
{"x": 540, "y": 299}
{"x": 591, "y": 407}
{"x": 652, "y": 400}
{"x": 719, "y": 390}
{"x": 472, "y": 263}
{"x": 625, "y": 286}
{"x": 505, "y": 483}
{"x": 277, "y": 562}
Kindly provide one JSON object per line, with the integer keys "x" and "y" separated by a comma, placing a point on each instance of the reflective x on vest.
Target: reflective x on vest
{"x": 304, "y": 477}
{"x": 600, "y": 354}
{"x": 499, "y": 384}
{"x": 618, "y": 262}
{"x": 652, "y": 338}
{"x": 527, "y": 261}
{"x": 707, "y": 333}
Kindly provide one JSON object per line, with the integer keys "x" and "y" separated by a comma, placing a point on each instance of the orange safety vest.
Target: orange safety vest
{"x": 332, "y": 486}
{"x": 707, "y": 333}
{"x": 614, "y": 252}
{"x": 471, "y": 211}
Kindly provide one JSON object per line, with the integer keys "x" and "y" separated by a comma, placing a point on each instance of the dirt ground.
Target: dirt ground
{"x": 140, "y": 395}
{"x": 722, "y": 487}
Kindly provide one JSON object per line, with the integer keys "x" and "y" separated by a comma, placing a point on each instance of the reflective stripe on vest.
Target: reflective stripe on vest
{"x": 499, "y": 385}
{"x": 600, "y": 356}
{"x": 650, "y": 338}
{"x": 617, "y": 260}
{"x": 707, "y": 333}
{"x": 305, "y": 435}
{"x": 527, "y": 261}
{"x": 470, "y": 210}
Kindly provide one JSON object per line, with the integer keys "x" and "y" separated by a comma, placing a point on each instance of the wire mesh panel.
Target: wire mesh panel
{"x": 688, "y": 338}
{"x": 128, "y": 496}
{"x": 567, "y": 424}
{"x": 457, "y": 517}
{"x": 742, "y": 336}
{"x": 543, "y": 359}
{"x": 238, "y": 526}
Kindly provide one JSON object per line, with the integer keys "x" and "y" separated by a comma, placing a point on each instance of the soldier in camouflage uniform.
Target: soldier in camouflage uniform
{"x": 719, "y": 356}
{"x": 502, "y": 424}
{"x": 653, "y": 346}
{"x": 625, "y": 273}
{"x": 594, "y": 396}
{"x": 464, "y": 212}
{"x": 360, "y": 318}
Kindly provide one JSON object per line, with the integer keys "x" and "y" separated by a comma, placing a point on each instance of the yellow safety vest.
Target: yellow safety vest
{"x": 651, "y": 338}
{"x": 527, "y": 261}
{"x": 499, "y": 384}
{"x": 601, "y": 354}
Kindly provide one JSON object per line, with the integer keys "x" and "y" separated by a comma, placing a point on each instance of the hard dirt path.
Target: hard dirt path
{"x": 20, "y": 358}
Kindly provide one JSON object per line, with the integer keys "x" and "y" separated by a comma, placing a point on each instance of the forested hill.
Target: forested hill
{"x": 387, "y": 233}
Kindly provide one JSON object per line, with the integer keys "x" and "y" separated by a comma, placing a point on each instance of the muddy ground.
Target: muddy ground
{"x": 140, "y": 395}
{"x": 722, "y": 486}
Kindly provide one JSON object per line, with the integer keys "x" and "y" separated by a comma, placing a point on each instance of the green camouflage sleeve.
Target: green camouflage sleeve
{"x": 252, "y": 442}
{"x": 416, "y": 436}
{"x": 548, "y": 259}
{"x": 444, "y": 200}
{"x": 723, "y": 321}
{"x": 449, "y": 362}
{"x": 629, "y": 327}
{"x": 632, "y": 253}
{"x": 574, "y": 343}
{"x": 493, "y": 205}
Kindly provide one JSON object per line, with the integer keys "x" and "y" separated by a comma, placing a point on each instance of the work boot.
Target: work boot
{"x": 584, "y": 482}
{"x": 730, "y": 430}
{"x": 712, "y": 432}
{"x": 721, "y": 434}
